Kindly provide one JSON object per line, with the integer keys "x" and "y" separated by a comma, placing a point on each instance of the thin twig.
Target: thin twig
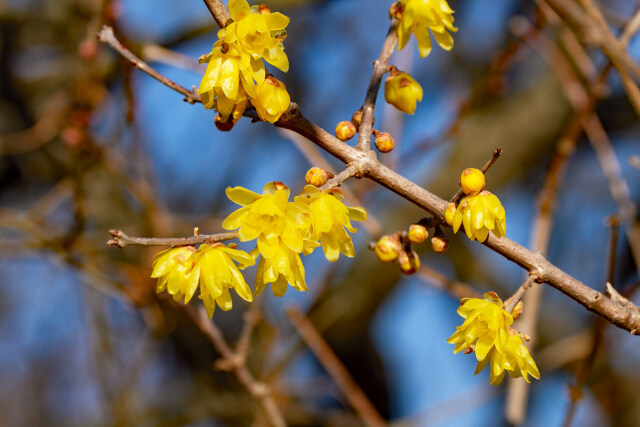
{"x": 335, "y": 368}
{"x": 494, "y": 156}
{"x": 260, "y": 391}
{"x": 251, "y": 318}
{"x": 349, "y": 172}
{"x": 106, "y": 35}
{"x": 511, "y": 302}
{"x": 440, "y": 281}
{"x": 380, "y": 67}
{"x": 120, "y": 239}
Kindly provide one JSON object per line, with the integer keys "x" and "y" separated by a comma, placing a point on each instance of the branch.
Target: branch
{"x": 380, "y": 67}
{"x": 120, "y": 239}
{"x": 219, "y": 12}
{"x": 106, "y": 36}
{"x": 335, "y": 368}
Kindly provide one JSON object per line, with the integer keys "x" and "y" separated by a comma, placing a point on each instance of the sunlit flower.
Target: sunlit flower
{"x": 402, "y": 91}
{"x": 258, "y": 32}
{"x": 480, "y": 214}
{"x": 177, "y": 273}
{"x": 281, "y": 229}
{"x": 219, "y": 273}
{"x": 418, "y": 16}
{"x": 486, "y": 331}
{"x": 271, "y": 100}
{"x": 330, "y": 220}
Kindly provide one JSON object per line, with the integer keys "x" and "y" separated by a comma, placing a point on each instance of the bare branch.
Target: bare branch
{"x": 120, "y": 239}
{"x": 219, "y": 12}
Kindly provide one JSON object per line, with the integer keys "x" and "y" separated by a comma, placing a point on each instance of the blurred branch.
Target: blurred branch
{"x": 260, "y": 391}
{"x": 120, "y": 239}
{"x": 154, "y": 52}
{"x": 335, "y": 368}
{"x": 106, "y": 36}
{"x": 440, "y": 281}
{"x": 380, "y": 67}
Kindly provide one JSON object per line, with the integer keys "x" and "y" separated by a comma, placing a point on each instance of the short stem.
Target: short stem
{"x": 510, "y": 303}
{"x": 120, "y": 239}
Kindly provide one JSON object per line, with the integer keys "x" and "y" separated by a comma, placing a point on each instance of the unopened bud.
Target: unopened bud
{"x": 409, "y": 262}
{"x": 317, "y": 176}
{"x": 356, "y": 119}
{"x": 345, "y": 131}
{"x": 418, "y": 233}
{"x": 384, "y": 141}
{"x": 517, "y": 310}
{"x": 225, "y": 126}
{"x": 388, "y": 248}
{"x": 439, "y": 242}
{"x": 472, "y": 181}
{"x": 526, "y": 337}
{"x": 449, "y": 212}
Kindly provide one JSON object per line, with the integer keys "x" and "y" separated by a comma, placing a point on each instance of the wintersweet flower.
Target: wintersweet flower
{"x": 284, "y": 267}
{"x": 330, "y": 220}
{"x": 219, "y": 273}
{"x": 480, "y": 214}
{"x": 402, "y": 91}
{"x": 486, "y": 331}
{"x": 177, "y": 273}
{"x": 258, "y": 32}
{"x": 271, "y": 100}
{"x": 420, "y": 16}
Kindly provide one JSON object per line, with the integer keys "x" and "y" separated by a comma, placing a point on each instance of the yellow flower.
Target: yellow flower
{"x": 402, "y": 91}
{"x": 418, "y": 16}
{"x": 176, "y": 272}
{"x": 271, "y": 100}
{"x": 281, "y": 228}
{"x": 486, "y": 331}
{"x": 218, "y": 273}
{"x": 258, "y": 32}
{"x": 480, "y": 214}
{"x": 229, "y": 79}
{"x": 329, "y": 218}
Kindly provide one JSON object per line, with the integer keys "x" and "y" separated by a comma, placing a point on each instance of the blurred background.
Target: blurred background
{"x": 89, "y": 144}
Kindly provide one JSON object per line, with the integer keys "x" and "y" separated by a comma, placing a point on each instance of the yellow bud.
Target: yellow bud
{"x": 418, "y": 233}
{"x": 388, "y": 248}
{"x": 449, "y": 212}
{"x": 384, "y": 141}
{"x": 317, "y": 176}
{"x": 440, "y": 244}
{"x": 224, "y": 126}
{"x": 345, "y": 130}
{"x": 272, "y": 99}
{"x": 517, "y": 310}
{"x": 356, "y": 119}
{"x": 402, "y": 91}
{"x": 472, "y": 181}
{"x": 409, "y": 262}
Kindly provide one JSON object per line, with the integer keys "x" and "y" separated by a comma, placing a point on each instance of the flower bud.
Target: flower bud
{"x": 384, "y": 141}
{"x": 418, "y": 233}
{"x": 439, "y": 242}
{"x": 402, "y": 91}
{"x": 472, "y": 181}
{"x": 356, "y": 119}
{"x": 272, "y": 99}
{"x": 317, "y": 176}
{"x": 388, "y": 248}
{"x": 409, "y": 262}
{"x": 225, "y": 126}
{"x": 449, "y": 212}
{"x": 345, "y": 131}
{"x": 517, "y": 310}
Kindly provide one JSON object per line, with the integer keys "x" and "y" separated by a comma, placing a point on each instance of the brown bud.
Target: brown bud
{"x": 409, "y": 262}
{"x": 418, "y": 233}
{"x": 384, "y": 141}
{"x": 223, "y": 126}
{"x": 317, "y": 176}
{"x": 439, "y": 242}
{"x": 264, "y": 9}
{"x": 345, "y": 131}
{"x": 388, "y": 248}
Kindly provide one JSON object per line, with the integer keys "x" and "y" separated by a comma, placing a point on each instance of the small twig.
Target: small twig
{"x": 380, "y": 67}
{"x": 494, "y": 156}
{"x": 251, "y": 318}
{"x": 106, "y": 35}
{"x": 120, "y": 239}
{"x": 511, "y": 302}
{"x": 335, "y": 368}
{"x": 219, "y": 12}
{"x": 440, "y": 281}
{"x": 349, "y": 172}
{"x": 260, "y": 391}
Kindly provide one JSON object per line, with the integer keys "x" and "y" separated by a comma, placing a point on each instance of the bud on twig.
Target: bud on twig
{"x": 388, "y": 248}
{"x": 317, "y": 176}
{"x": 409, "y": 262}
{"x": 439, "y": 242}
{"x": 418, "y": 233}
{"x": 345, "y": 131}
{"x": 384, "y": 141}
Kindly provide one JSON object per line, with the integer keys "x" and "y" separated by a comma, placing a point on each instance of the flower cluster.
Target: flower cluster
{"x": 486, "y": 332}
{"x": 420, "y": 16}
{"x": 284, "y": 229}
{"x": 180, "y": 270}
{"x": 236, "y": 71}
